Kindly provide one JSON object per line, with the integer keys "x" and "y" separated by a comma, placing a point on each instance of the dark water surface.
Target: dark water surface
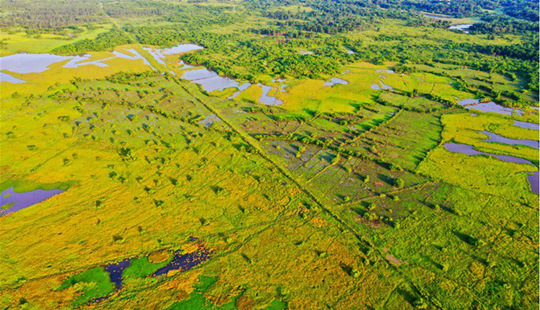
{"x": 185, "y": 261}
{"x": 115, "y": 272}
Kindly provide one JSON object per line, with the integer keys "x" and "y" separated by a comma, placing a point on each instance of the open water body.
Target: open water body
{"x": 268, "y": 100}
{"x": 4, "y": 77}
{"x": 493, "y": 137}
{"x": 116, "y": 270}
{"x": 488, "y": 107}
{"x": 18, "y": 201}
{"x": 469, "y": 150}
{"x": 30, "y": 63}
{"x": 209, "y": 80}
{"x": 184, "y": 261}
{"x": 335, "y": 81}
{"x": 526, "y": 125}
{"x": 36, "y": 63}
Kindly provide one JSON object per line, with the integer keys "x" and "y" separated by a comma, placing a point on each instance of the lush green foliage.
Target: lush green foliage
{"x": 103, "y": 42}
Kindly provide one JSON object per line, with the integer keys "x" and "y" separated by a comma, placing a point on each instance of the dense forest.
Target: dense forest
{"x": 273, "y": 48}
{"x": 49, "y": 14}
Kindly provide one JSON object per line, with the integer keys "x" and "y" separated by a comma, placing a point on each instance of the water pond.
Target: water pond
{"x": 30, "y": 63}
{"x": 379, "y": 87}
{"x": 491, "y": 106}
{"x": 469, "y": 150}
{"x": 199, "y": 74}
{"x": 526, "y": 125}
{"x": 500, "y": 139}
{"x": 36, "y": 63}
{"x": 156, "y": 53}
{"x": 115, "y": 272}
{"x": 334, "y": 81}
{"x": 268, "y": 100}
{"x": 11, "y": 201}
{"x": 384, "y": 86}
{"x": 181, "y": 48}
{"x": 4, "y": 77}
{"x": 209, "y": 80}
{"x": 185, "y": 261}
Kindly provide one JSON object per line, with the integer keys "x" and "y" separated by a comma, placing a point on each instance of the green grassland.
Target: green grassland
{"x": 17, "y": 40}
{"x": 156, "y": 170}
{"x": 343, "y": 197}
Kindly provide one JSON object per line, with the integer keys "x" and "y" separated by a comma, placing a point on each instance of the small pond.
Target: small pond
{"x": 181, "y": 48}
{"x": 115, "y": 272}
{"x": 209, "y": 80}
{"x": 185, "y": 261}
{"x": 268, "y": 100}
{"x": 11, "y": 201}
{"x": 30, "y": 63}
{"x": 488, "y": 107}
{"x": 469, "y": 150}
{"x": 500, "y": 139}
{"x": 526, "y": 125}
{"x": 156, "y": 53}
{"x": 4, "y": 77}
{"x": 334, "y": 81}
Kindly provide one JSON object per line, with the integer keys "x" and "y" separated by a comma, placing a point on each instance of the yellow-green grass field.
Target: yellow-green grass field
{"x": 20, "y": 42}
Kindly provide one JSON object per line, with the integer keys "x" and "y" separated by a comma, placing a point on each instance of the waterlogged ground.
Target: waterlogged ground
{"x": 192, "y": 190}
